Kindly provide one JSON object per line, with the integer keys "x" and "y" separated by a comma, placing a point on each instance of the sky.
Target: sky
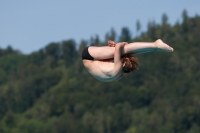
{"x": 29, "y": 25}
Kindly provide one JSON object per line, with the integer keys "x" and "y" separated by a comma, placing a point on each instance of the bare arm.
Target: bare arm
{"x": 117, "y": 59}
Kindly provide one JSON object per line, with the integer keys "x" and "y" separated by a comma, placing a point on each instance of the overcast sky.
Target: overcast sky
{"x": 30, "y": 25}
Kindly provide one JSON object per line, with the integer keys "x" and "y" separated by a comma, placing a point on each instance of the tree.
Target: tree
{"x": 151, "y": 30}
{"x": 53, "y": 49}
{"x": 82, "y": 45}
{"x": 69, "y": 52}
{"x": 138, "y": 26}
{"x": 95, "y": 41}
{"x": 184, "y": 15}
{"x": 111, "y": 35}
{"x": 3, "y": 107}
{"x": 125, "y": 35}
{"x": 185, "y": 26}
{"x": 164, "y": 19}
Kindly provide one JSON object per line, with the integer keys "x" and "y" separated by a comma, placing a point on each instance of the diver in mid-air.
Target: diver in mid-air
{"x": 109, "y": 63}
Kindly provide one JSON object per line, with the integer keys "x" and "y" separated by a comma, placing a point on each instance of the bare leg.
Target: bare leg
{"x": 101, "y": 53}
{"x": 107, "y": 52}
{"x": 144, "y": 47}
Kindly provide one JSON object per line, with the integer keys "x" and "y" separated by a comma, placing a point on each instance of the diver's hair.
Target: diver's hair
{"x": 129, "y": 63}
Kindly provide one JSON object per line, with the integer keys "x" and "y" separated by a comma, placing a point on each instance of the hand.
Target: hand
{"x": 121, "y": 44}
{"x": 111, "y": 43}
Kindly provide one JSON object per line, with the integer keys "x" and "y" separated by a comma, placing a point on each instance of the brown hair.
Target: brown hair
{"x": 129, "y": 63}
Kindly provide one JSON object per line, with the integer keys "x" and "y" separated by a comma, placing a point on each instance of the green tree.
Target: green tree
{"x": 53, "y": 49}
{"x": 69, "y": 52}
{"x": 125, "y": 35}
{"x": 112, "y": 35}
{"x": 138, "y": 26}
{"x": 164, "y": 19}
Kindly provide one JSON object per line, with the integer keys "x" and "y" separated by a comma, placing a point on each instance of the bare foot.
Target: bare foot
{"x": 111, "y": 43}
{"x": 162, "y": 47}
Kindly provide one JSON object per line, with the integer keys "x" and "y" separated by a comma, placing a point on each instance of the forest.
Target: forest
{"x": 50, "y": 91}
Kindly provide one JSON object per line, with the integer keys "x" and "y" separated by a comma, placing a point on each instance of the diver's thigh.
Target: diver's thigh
{"x": 103, "y": 52}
